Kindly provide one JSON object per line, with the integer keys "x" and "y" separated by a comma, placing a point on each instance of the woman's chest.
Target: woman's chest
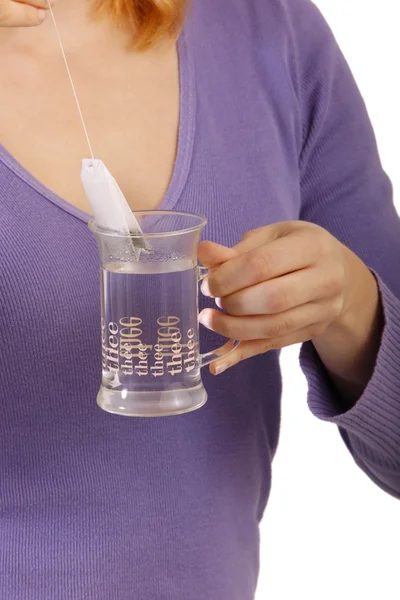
{"x": 236, "y": 163}
{"x": 131, "y": 125}
{"x": 240, "y": 177}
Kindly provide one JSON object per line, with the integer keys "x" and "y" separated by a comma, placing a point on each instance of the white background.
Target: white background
{"x": 328, "y": 532}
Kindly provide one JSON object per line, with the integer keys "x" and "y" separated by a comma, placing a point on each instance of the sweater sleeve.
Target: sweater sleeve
{"x": 345, "y": 190}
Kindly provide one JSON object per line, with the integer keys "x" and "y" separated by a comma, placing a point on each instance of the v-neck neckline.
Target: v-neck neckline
{"x": 184, "y": 153}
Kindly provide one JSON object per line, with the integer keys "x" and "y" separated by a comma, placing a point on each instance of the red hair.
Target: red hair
{"x": 151, "y": 20}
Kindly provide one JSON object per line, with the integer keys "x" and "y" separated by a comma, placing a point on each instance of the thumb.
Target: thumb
{"x": 264, "y": 235}
{"x": 212, "y": 255}
{"x": 16, "y": 14}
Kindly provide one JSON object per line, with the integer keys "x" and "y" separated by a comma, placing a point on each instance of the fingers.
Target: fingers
{"x": 265, "y": 235}
{"x": 212, "y": 255}
{"x": 269, "y": 326}
{"x": 282, "y": 256}
{"x": 35, "y": 3}
{"x": 22, "y": 14}
{"x": 284, "y": 293}
{"x": 251, "y": 348}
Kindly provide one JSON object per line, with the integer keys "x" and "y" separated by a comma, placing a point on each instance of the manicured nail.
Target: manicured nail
{"x": 221, "y": 368}
{"x": 205, "y": 290}
{"x": 218, "y": 302}
{"x": 41, "y": 14}
{"x": 204, "y": 318}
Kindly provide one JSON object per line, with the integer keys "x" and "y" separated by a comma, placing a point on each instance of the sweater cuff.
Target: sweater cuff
{"x": 375, "y": 419}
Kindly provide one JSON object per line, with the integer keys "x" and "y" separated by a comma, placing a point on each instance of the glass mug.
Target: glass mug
{"x": 151, "y": 359}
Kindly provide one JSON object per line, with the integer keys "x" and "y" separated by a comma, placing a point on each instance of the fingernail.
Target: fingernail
{"x": 41, "y": 14}
{"x": 218, "y": 302}
{"x": 204, "y": 319}
{"x": 221, "y": 368}
{"x": 205, "y": 290}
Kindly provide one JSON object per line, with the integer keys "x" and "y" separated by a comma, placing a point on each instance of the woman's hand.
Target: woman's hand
{"x": 22, "y": 13}
{"x": 284, "y": 284}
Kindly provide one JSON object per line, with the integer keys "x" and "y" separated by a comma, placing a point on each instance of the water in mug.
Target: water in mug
{"x": 149, "y": 328}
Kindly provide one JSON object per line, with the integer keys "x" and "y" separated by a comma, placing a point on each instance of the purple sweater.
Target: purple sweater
{"x": 99, "y": 507}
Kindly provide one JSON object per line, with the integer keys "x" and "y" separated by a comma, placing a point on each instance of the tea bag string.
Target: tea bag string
{"x": 71, "y": 80}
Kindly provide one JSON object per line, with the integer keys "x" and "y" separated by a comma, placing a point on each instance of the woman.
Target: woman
{"x": 253, "y": 119}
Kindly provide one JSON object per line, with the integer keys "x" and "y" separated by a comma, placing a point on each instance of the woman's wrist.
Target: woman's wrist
{"x": 349, "y": 347}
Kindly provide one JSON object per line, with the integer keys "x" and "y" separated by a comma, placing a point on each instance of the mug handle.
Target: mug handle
{"x": 210, "y": 357}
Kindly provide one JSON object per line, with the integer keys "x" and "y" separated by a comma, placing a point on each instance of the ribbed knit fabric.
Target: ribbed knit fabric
{"x": 371, "y": 429}
{"x": 100, "y": 507}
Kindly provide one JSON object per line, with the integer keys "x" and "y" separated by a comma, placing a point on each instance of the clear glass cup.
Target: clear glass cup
{"x": 151, "y": 359}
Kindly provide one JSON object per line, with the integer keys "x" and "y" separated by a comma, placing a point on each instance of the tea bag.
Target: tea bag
{"x": 110, "y": 208}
